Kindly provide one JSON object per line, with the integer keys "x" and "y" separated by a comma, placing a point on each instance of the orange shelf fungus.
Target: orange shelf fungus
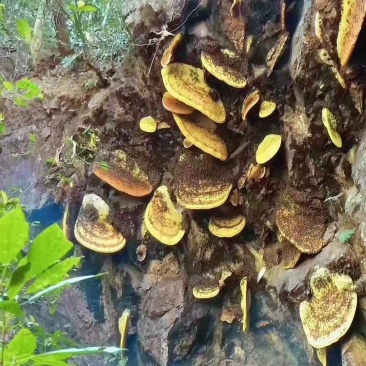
{"x": 169, "y": 51}
{"x": 174, "y": 105}
{"x": 249, "y": 102}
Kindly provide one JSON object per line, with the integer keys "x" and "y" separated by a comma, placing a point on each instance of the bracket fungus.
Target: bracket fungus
{"x": 326, "y": 59}
{"x": 201, "y": 182}
{"x": 187, "y": 84}
{"x": 268, "y": 148}
{"x": 249, "y": 102}
{"x": 169, "y": 51}
{"x": 266, "y": 109}
{"x": 352, "y": 17}
{"x": 226, "y": 227}
{"x": 276, "y": 52}
{"x": 219, "y": 65}
{"x": 92, "y": 229}
{"x": 301, "y": 221}
{"x": 328, "y": 316}
{"x": 330, "y": 124}
{"x": 174, "y": 105}
{"x": 123, "y": 323}
{"x": 245, "y": 303}
{"x": 290, "y": 254}
{"x": 124, "y": 174}
{"x": 205, "y": 139}
{"x": 162, "y": 219}
{"x": 148, "y": 124}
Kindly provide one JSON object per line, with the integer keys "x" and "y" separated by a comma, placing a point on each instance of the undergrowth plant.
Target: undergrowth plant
{"x": 31, "y": 270}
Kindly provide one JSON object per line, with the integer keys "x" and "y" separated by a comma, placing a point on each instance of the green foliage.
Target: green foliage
{"x": 2, "y": 125}
{"x": 22, "y": 92}
{"x": 28, "y": 273}
{"x": 24, "y": 30}
{"x": 7, "y": 203}
{"x": 346, "y": 236}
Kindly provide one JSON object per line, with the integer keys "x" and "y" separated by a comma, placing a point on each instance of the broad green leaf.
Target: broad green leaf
{"x": 48, "y": 248}
{"x": 4, "y": 197}
{"x": 87, "y": 9}
{"x": 24, "y": 30}
{"x": 62, "y": 284}
{"x": 14, "y": 235}
{"x": 72, "y": 352}
{"x": 8, "y": 85}
{"x": 24, "y": 343}
{"x": 18, "y": 279}
{"x": 53, "y": 275}
{"x": 2, "y": 128}
{"x": 12, "y": 307}
{"x": 48, "y": 361}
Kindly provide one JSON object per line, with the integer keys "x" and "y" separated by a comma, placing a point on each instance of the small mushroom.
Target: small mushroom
{"x": 205, "y": 139}
{"x": 328, "y": 316}
{"x": 123, "y": 324}
{"x": 148, "y": 124}
{"x": 330, "y": 124}
{"x": 172, "y": 104}
{"x": 268, "y": 148}
{"x": 187, "y": 143}
{"x": 266, "y": 109}
{"x": 226, "y": 227}
{"x": 187, "y": 84}
{"x": 257, "y": 172}
{"x": 141, "y": 251}
{"x": 318, "y": 26}
{"x": 326, "y": 59}
{"x": 169, "y": 51}
{"x": 162, "y": 219}
{"x": 322, "y": 356}
{"x": 352, "y": 17}
{"x": 245, "y": 303}
{"x": 92, "y": 229}
{"x": 249, "y": 102}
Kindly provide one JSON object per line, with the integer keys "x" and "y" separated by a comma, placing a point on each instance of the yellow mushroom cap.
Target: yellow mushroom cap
{"x": 206, "y": 286}
{"x": 162, "y": 219}
{"x": 217, "y": 67}
{"x": 203, "y": 138}
{"x": 245, "y": 303}
{"x": 249, "y": 102}
{"x": 266, "y": 109}
{"x": 187, "y": 84}
{"x": 268, "y": 148}
{"x": 353, "y": 15}
{"x": 301, "y": 221}
{"x": 124, "y": 174}
{"x": 328, "y": 316}
{"x": 226, "y": 227}
{"x": 169, "y": 51}
{"x": 148, "y": 124}
{"x": 187, "y": 143}
{"x": 174, "y": 105}
{"x": 330, "y": 124}
{"x": 92, "y": 229}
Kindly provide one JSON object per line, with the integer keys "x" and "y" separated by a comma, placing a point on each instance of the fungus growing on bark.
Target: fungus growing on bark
{"x": 201, "y": 182}
{"x": 148, "y": 124}
{"x": 124, "y": 174}
{"x": 205, "y": 139}
{"x": 353, "y": 15}
{"x": 276, "y": 52}
{"x": 187, "y": 143}
{"x": 187, "y": 84}
{"x": 266, "y": 109}
{"x": 169, "y": 51}
{"x": 174, "y": 105}
{"x": 141, "y": 251}
{"x": 268, "y": 148}
{"x": 328, "y": 316}
{"x": 322, "y": 356}
{"x": 206, "y": 286}
{"x": 92, "y": 229}
{"x": 226, "y": 227}
{"x": 219, "y": 65}
{"x": 326, "y": 59}
{"x": 301, "y": 221}
{"x": 123, "y": 323}
{"x": 249, "y": 102}
{"x": 257, "y": 172}
{"x": 330, "y": 124}
{"x": 290, "y": 254}
{"x": 162, "y": 219}
{"x": 245, "y": 303}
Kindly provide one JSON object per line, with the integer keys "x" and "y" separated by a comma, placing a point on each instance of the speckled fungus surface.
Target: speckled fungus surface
{"x": 148, "y": 124}
{"x": 245, "y": 303}
{"x": 226, "y": 227}
{"x": 162, "y": 219}
{"x": 217, "y": 65}
{"x": 266, "y": 109}
{"x": 353, "y": 15}
{"x": 301, "y": 221}
{"x": 328, "y": 316}
{"x": 124, "y": 174}
{"x": 174, "y": 105}
{"x": 290, "y": 254}
{"x": 203, "y": 138}
{"x": 92, "y": 229}
{"x": 268, "y": 148}
{"x": 187, "y": 84}
{"x": 330, "y": 124}
{"x": 206, "y": 286}
{"x": 249, "y": 102}
{"x": 201, "y": 182}
{"x": 169, "y": 51}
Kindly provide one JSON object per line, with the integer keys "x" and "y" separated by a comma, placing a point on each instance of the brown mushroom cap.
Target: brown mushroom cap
{"x": 301, "y": 221}
{"x": 290, "y": 254}
{"x": 174, "y": 105}
{"x": 169, "y": 51}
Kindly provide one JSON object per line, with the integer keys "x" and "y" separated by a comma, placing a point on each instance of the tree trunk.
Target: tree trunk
{"x": 62, "y": 34}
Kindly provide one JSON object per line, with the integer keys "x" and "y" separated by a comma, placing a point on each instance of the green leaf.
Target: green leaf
{"x": 62, "y": 284}
{"x": 18, "y": 279}
{"x": 72, "y": 352}
{"x": 49, "y": 247}
{"x": 14, "y": 235}
{"x": 49, "y": 361}
{"x": 87, "y": 9}
{"x": 24, "y": 343}
{"x": 346, "y": 235}
{"x": 12, "y": 307}
{"x": 105, "y": 166}
{"x": 54, "y": 274}
{"x": 8, "y": 85}
{"x": 24, "y": 30}
{"x": 2, "y": 128}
